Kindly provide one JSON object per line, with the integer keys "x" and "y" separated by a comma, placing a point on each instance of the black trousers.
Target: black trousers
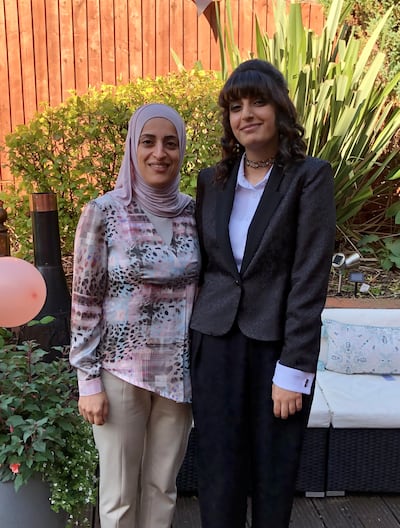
{"x": 242, "y": 448}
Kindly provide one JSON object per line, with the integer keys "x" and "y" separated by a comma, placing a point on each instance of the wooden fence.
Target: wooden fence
{"x": 50, "y": 47}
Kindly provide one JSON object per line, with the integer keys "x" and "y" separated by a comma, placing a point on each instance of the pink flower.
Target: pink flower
{"x": 15, "y": 467}
{"x": 11, "y": 429}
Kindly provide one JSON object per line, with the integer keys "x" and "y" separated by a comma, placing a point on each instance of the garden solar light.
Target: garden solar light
{"x": 352, "y": 260}
{"x": 358, "y": 278}
{"x": 340, "y": 262}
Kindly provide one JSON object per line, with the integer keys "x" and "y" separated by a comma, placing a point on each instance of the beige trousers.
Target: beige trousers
{"x": 141, "y": 448}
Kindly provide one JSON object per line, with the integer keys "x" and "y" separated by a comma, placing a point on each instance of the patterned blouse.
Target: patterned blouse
{"x": 132, "y": 299}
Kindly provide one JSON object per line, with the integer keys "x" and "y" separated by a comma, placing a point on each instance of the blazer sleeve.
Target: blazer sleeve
{"x": 315, "y": 236}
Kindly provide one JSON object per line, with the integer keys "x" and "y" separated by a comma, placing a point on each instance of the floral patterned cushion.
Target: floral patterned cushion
{"x": 362, "y": 349}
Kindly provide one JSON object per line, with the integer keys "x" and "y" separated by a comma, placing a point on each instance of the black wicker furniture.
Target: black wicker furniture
{"x": 363, "y": 452}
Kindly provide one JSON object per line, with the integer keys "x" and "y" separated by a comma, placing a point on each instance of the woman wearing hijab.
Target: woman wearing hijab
{"x": 136, "y": 265}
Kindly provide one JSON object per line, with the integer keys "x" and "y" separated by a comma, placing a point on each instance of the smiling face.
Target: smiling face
{"x": 158, "y": 152}
{"x": 253, "y": 123}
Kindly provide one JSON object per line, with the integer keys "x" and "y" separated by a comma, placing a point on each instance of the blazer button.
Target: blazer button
{"x": 237, "y": 283}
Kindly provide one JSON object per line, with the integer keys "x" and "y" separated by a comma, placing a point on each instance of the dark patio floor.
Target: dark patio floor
{"x": 351, "y": 511}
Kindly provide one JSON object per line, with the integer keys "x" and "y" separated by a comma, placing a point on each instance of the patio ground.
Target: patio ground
{"x": 353, "y": 511}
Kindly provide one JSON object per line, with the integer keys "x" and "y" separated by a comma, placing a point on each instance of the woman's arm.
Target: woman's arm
{"x": 88, "y": 290}
{"x": 315, "y": 236}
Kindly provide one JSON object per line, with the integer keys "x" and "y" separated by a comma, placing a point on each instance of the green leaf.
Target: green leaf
{"x": 18, "y": 482}
{"x": 15, "y": 420}
{"x": 39, "y": 445}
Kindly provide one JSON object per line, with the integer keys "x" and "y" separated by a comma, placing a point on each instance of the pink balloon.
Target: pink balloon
{"x": 22, "y": 291}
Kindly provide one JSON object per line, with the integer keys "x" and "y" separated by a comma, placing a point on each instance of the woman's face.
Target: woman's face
{"x": 158, "y": 152}
{"x": 253, "y": 123}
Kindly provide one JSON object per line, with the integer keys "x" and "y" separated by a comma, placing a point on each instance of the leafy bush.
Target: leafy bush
{"x": 388, "y": 250}
{"x": 41, "y": 432}
{"x": 364, "y": 15}
{"x": 75, "y": 149}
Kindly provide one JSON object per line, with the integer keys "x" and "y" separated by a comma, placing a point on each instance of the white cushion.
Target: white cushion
{"x": 320, "y": 415}
{"x": 356, "y": 349}
{"x": 361, "y": 400}
{"x": 375, "y": 316}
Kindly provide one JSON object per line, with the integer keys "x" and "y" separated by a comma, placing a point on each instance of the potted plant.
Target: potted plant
{"x": 42, "y": 436}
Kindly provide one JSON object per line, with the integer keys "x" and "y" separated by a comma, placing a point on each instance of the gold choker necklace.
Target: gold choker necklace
{"x": 257, "y": 164}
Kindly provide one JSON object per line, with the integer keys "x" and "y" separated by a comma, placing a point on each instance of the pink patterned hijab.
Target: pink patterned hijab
{"x": 167, "y": 201}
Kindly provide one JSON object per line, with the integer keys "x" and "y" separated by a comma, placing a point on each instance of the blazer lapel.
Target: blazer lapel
{"x": 266, "y": 208}
{"x": 224, "y": 204}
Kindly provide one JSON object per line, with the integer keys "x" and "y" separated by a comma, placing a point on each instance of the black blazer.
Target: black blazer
{"x": 281, "y": 289}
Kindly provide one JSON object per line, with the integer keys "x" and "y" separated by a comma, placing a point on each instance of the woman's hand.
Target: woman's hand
{"x": 94, "y": 408}
{"x": 286, "y": 402}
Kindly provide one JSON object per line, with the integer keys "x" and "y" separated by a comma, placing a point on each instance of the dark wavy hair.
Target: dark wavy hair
{"x": 258, "y": 78}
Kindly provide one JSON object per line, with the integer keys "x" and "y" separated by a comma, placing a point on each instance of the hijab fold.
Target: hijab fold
{"x": 160, "y": 201}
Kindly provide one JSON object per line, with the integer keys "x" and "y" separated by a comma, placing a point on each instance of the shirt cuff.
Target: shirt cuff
{"x": 90, "y": 387}
{"x": 293, "y": 379}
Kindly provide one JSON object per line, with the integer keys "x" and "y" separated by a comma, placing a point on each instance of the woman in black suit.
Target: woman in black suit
{"x": 266, "y": 221}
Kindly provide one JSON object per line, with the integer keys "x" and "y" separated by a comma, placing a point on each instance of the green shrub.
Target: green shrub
{"x": 41, "y": 431}
{"x": 75, "y": 149}
{"x": 351, "y": 118}
{"x": 364, "y": 15}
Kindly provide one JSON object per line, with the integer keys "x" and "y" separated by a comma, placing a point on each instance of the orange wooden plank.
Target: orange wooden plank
{"x": 14, "y": 62}
{"x": 162, "y": 31}
{"x": 215, "y": 57}
{"x": 235, "y": 9}
{"x": 271, "y": 27}
{"x": 245, "y": 27}
{"x": 5, "y": 104}
{"x": 40, "y": 51}
{"x": 28, "y": 73}
{"x": 190, "y": 31}
{"x": 317, "y": 18}
{"x": 264, "y": 11}
{"x": 5, "y": 117}
{"x": 68, "y": 81}
{"x": 94, "y": 43}
{"x": 176, "y": 31}
{"x": 242, "y": 21}
{"x": 121, "y": 41}
{"x": 305, "y": 14}
{"x": 53, "y": 52}
{"x": 149, "y": 38}
{"x": 135, "y": 39}
{"x": 80, "y": 45}
{"x": 107, "y": 33}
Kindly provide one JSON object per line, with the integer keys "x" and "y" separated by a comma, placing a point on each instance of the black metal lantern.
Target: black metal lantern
{"x": 47, "y": 259}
